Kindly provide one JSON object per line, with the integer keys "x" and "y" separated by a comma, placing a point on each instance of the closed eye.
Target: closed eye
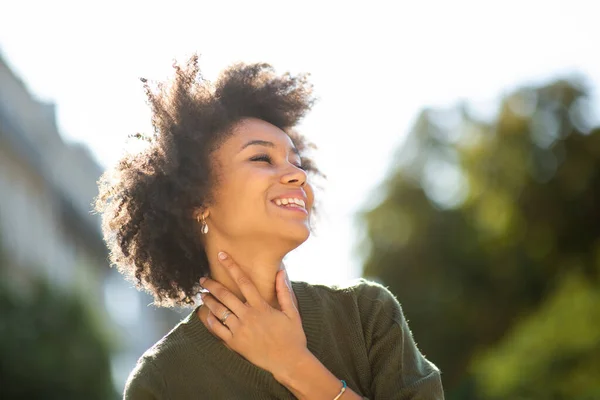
{"x": 263, "y": 157}
{"x": 267, "y": 158}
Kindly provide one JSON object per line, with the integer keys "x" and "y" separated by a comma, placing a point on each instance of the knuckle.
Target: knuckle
{"x": 243, "y": 280}
{"x": 223, "y": 294}
{"x": 248, "y": 317}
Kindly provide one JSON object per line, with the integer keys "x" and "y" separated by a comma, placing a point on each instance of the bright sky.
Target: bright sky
{"x": 374, "y": 65}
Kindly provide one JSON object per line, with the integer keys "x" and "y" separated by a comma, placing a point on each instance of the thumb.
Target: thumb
{"x": 285, "y": 296}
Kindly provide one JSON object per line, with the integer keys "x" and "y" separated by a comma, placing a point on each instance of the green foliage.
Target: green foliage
{"x": 552, "y": 354}
{"x": 49, "y": 348}
{"x": 480, "y": 223}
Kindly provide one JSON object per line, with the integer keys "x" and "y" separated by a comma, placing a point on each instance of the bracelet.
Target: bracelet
{"x": 341, "y": 391}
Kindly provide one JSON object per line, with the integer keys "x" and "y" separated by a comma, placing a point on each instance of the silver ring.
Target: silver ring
{"x": 226, "y": 315}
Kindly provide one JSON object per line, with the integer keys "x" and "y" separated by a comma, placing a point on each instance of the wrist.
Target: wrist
{"x": 307, "y": 378}
{"x": 288, "y": 375}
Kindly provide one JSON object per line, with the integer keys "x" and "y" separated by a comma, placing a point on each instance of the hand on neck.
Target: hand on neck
{"x": 260, "y": 262}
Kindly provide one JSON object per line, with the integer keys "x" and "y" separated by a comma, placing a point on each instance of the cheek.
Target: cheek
{"x": 239, "y": 201}
{"x": 235, "y": 216}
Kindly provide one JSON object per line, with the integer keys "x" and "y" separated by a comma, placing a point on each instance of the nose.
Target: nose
{"x": 294, "y": 175}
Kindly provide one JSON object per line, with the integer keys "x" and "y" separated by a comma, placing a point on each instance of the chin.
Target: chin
{"x": 295, "y": 235}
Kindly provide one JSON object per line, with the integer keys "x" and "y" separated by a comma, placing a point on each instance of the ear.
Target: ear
{"x": 202, "y": 212}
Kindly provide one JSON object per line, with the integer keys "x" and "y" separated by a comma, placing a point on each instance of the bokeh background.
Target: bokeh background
{"x": 461, "y": 140}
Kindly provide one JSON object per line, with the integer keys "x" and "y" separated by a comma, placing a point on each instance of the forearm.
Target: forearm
{"x": 308, "y": 378}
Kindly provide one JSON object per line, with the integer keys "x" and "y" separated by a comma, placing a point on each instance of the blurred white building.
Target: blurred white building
{"x": 48, "y": 231}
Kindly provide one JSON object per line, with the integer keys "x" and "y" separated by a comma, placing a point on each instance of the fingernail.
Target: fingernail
{"x": 202, "y": 280}
{"x": 222, "y": 255}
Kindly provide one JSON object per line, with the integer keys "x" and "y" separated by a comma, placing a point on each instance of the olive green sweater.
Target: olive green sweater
{"x": 357, "y": 331}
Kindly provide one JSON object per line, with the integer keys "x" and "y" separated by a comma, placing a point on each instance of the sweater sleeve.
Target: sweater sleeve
{"x": 145, "y": 382}
{"x": 399, "y": 370}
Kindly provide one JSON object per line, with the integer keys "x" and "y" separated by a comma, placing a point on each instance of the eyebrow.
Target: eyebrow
{"x": 266, "y": 143}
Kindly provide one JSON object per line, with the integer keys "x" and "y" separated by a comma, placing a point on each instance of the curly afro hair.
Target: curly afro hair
{"x": 148, "y": 200}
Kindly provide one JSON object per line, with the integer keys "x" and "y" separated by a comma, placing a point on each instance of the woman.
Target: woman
{"x": 216, "y": 201}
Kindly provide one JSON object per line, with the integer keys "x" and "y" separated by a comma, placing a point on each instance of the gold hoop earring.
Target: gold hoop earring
{"x": 204, "y": 227}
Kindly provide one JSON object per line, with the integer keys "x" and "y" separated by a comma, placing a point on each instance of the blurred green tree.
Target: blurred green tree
{"x": 486, "y": 230}
{"x": 49, "y": 348}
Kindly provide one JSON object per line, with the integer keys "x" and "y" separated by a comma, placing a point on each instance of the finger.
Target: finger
{"x": 243, "y": 281}
{"x": 222, "y": 294}
{"x": 285, "y": 295}
{"x": 219, "y": 310}
{"x": 218, "y": 329}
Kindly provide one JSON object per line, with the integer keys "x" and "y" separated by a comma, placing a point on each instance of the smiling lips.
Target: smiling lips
{"x": 291, "y": 202}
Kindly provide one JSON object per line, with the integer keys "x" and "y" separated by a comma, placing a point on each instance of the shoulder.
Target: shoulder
{"x": 167, "y": 346}
{"x": 358, "y": 286}
{"x": 147, "y": 379}
{"x": 369, "y": 296}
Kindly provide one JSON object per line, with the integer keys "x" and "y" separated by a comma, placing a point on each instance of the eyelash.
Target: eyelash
{"x": 267, "y": 158}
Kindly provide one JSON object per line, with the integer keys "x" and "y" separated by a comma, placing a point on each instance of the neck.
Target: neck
{"x": 260, "y": 262}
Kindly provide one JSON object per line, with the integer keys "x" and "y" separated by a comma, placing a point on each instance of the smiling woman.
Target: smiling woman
{"x": 212, "y": 206}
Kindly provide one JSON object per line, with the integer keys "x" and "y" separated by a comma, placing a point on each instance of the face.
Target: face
{"x": 261, "y": 190}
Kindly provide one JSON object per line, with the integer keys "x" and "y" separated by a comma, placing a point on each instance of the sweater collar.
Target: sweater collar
{"x": 236, "y": 367}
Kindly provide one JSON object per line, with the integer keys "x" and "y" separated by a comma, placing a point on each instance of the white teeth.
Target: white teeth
{"x": 291, "y": 202}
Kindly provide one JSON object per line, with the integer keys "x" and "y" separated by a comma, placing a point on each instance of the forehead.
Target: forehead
{"x": 255, "y": 129}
